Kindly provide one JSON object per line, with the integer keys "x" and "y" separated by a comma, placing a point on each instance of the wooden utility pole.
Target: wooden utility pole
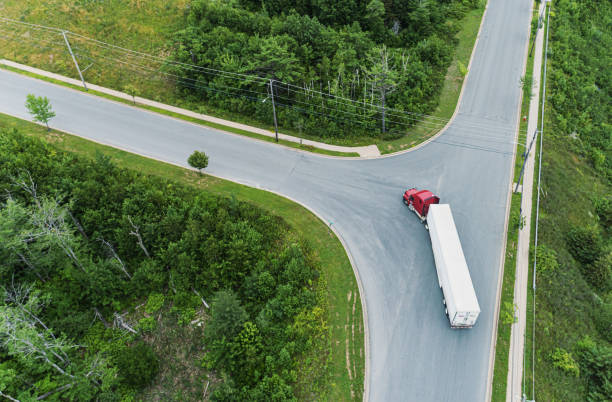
{"x": 74, "y": 59}
{"x": 273, "y": 108}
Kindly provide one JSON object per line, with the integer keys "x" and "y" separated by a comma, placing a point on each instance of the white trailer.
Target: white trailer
{"x": 459, "y": 297}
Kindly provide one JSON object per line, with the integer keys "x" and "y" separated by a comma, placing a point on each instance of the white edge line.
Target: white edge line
{"x": 502, "y": 259}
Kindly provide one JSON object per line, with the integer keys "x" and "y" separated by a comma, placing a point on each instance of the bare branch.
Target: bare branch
{"x": 201, "y": 298}
{"x": 10, "y": 398}
{"x": 99, "y": 316}
{"x": 78, "y": 225}
{"x": 120, "y": 322}
{"x": 114, "y": 254}
{"x": 28, "y": 186}
{"x": 55, "y": 391}
{"x": 136, "y": 232}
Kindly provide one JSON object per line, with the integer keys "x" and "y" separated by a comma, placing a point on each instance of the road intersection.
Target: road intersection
{"x": 413, "y": 354}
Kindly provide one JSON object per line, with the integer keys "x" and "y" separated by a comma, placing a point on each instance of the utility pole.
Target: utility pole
{"x": 273, "y": 108}
{"x": 74, "y": 59}
{"x": 525, "y": 154}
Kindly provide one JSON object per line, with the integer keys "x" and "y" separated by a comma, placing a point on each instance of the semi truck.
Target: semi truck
{"x": 458, "y": 295}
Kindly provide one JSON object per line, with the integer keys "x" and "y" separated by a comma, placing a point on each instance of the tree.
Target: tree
{"x": 198, "y": 160}
{"x": 132, "y": 91}
{"x": 138, "y": 365}
{"x": 375, "y": 18}
{"x": 40, "y": 108}
{"x": 226, "y": 321}
{"x": 25, "y": 336}
{"x": 383, "y": 78}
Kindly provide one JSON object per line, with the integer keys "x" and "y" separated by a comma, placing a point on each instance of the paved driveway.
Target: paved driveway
{"x": 415, "y": 356}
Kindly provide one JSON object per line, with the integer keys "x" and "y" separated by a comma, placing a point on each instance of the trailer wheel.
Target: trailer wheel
{"x": 444, "y": 301}
{"x": 446, "y": 312}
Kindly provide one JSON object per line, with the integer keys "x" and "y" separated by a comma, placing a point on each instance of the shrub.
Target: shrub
{"x": 138, "y": 365}
{"x": 596, "y": 369}
{"x": 147, "y": 324}
{"x": 584, "y": 244}
{"x": 598, "y": 274}
{"x": 565, "y": 362}
{"x": 603, "y": 208}
{"x": 547, "y": 260}
{"x": 603, "y": 320}
{"x": 154, "y": 303}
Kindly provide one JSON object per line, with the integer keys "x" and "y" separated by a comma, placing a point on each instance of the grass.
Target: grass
{"x": 344, "y": 314}
{"x": 502, "y": 345}
{"x": 565, "y": 303}
{"x": 190, "y": 119}
{"x": 504, "y": 326}
{"x": 449, "y": 96}
{"x": 146, "y": 26}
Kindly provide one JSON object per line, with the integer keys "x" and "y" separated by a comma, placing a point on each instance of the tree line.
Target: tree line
{"x": 83, "y": 241}
{"x": 317, "y": 54}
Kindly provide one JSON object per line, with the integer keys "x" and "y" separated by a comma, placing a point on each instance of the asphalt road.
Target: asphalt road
{"x": 415, "y": 356}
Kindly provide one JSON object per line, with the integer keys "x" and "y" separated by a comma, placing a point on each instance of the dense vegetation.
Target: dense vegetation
{"x": 91, "y": 254}
{"x": 573, "y": 358}
{"x": 361, "y": 50}
{"x": 315, "y": 45}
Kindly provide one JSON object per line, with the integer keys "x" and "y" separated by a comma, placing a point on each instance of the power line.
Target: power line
{"x": 398, "y": 117}
{"x": 535, "y": 254}
{"x": 112, "y": 47}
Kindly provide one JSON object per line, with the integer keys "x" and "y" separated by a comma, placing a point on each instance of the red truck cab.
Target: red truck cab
{"x": 419, "y": 201}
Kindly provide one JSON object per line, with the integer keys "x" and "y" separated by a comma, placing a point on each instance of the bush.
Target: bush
{"x": 584, "y": 244}
{"x": 603, "y": 321}
{"x": 564, "y": 361}
{"x": 547, "y": 260}
{"x": 596, "y": 369}
{"x": 138, "y": 365}
{"x": 599, "y": 274}
{"x": 603, "y": 208}
{"x": 154, "y": 303}
{"x": 147, "y": 324}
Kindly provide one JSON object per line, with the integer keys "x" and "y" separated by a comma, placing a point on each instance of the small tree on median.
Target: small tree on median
{"x": 198, "y": 160}
{"x": 40, "y": 108}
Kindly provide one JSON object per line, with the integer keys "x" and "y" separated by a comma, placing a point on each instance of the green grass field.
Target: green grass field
{"x": 345, "y": 362}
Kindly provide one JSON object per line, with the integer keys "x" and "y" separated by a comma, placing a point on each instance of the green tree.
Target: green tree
{"x": 138, "y": 365}
{"x": 198, "y": 160}
{"x": 226, "y": 321}
{"x": 132, "y": 91}
{"x": 246, "y": 358}
{"x": 596, "y": 368}
{"x": 40, "y": 108}
{"x": 375, "y": 18}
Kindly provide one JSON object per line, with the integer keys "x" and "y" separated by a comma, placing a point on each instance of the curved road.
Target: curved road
{"x": 414, "y": 355}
